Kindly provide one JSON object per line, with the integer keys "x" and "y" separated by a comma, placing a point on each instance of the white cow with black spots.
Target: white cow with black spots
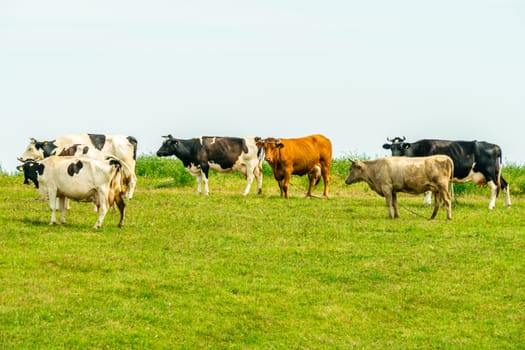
{"x": 80, "y": 179}
{"x": 121, "y": 147}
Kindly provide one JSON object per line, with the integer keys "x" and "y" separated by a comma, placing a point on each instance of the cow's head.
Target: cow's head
{"x": 31, "y": 171}
{"x": 38, "y": 150}
{"x": 397, "y": 146}
{"x": 169, "y": 146}
{"x": 268, "y": 148}
{"x": 355, "y": 172}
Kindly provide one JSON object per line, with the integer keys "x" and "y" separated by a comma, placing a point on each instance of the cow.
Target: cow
{"x": 222, "y": 154}
{"x": 121, "y": 147}
{"x": 81, "y": 150}
{"x": 389, "y": 175}
{"x": 476, "y": 161}
{"x": 80, "y": 179}
{"x": 310, "y": 155}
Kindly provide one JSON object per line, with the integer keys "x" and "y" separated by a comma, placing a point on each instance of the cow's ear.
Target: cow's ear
{"x": 20, "y": 168}
{"x": 406, "y": 145}
{"x": 387, "y": 146}
{"x": 279, "y": 144}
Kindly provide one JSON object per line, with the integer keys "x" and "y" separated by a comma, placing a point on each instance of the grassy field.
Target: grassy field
{"x": 227, "y": 271}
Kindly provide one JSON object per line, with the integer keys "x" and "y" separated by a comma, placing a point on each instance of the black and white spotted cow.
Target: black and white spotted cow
{"x": 80, "y": 179}
{"x": 476, "y": 161}
{"x": 222, "y": 154}
{"x": 122, "y": 147}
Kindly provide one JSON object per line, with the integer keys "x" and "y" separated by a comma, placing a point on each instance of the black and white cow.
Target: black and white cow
{"x": 476, "y": 161}
{"x": 81, "y": 179}
{"x": 122, "y": 147}
{"x": 222, "y": 154}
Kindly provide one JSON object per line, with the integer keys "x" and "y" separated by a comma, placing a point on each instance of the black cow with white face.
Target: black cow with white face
{"x": 476, "y": 161}
{"x": 222, "y": 154}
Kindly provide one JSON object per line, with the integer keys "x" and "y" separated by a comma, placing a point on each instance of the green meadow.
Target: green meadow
{"x": 260, "y": 272}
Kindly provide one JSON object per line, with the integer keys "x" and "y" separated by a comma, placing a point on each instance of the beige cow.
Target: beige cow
{"x": 415, "y": 175}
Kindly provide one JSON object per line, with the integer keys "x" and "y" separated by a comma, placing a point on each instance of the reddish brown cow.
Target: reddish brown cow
{"x": 310, "y": 155}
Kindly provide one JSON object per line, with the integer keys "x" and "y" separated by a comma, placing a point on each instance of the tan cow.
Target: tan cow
{"x": 390, "y": 175}
{"x": 311, "y": 155}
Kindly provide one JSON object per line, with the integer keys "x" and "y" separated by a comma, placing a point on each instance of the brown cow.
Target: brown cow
{"x": 390, "y": 175}
{"x": 310, "y": 155}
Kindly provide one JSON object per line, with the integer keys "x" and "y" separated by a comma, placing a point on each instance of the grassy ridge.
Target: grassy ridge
{"x": 174, "y": 174}
{"x": 224, "y": 270}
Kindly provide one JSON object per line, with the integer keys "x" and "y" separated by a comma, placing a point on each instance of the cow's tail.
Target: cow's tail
{"x": 500, "y": 168}
{"x": 451, "y": 178}
{"x": 122, "y": 174}
{"x": 114, "y": 182}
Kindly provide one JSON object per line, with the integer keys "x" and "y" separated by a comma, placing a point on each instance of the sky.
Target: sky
{"x": 355, "y": 71}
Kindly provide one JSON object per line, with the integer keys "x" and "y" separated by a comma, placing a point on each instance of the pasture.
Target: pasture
{"x": 228, "y": 271}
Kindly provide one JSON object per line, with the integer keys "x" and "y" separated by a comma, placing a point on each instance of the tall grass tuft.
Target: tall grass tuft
{"x": 159, "y": 168}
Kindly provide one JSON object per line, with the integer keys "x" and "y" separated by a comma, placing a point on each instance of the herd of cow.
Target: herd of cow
{"x": 101, "y": 168}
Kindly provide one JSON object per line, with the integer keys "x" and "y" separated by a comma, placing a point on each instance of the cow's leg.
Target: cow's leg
{"x": 437, "y": 201}
{"x": 249, "y": 179}
{"x": 205, "y": 180}
{"x": 505, "y": 188}
{"x": 388, "y": 199}
{"x": 310, "y": 185}
{"x": 103, "y": 209}
{"x": 325, "y": 172}
{"x": 259, "y": 176}
{"x": 205, "y": 168}
{"x": 448, "y": 203}
{"x": 427, "y": 200}
{"x": 493, "y": 194}
{"x": 121, "y": 206}
{"x": 394, "y": 205}
{"x": 62, "y": 208}
{"x": 314, "y": 175}
{"x": 286, "y": 183}
{"x": 53, "y": 206}
{"x": 280, "y": 183}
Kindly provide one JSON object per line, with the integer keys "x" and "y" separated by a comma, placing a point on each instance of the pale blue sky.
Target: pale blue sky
{"x": 356, "y": 71}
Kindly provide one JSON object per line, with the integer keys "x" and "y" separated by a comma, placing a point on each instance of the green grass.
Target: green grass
{"x": 227, "y": 271}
